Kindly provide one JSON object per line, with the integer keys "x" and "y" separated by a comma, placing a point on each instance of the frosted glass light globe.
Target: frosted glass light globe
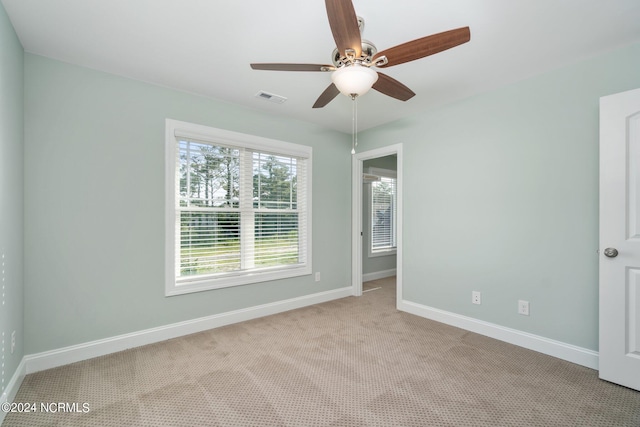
{"x": 354, "y": 79}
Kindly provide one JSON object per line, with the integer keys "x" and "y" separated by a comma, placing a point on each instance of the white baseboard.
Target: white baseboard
{"x": 561, "y": 350}
{"x": 63, "y": 356}
{"x": 378, "y": 275}
{"x": 12, "y": 387}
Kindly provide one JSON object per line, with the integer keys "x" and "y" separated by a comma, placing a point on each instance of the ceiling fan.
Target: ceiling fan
{"x": 354, "y": 57}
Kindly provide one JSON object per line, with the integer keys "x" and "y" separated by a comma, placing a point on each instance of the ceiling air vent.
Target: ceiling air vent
{"x": 271, "y": 97}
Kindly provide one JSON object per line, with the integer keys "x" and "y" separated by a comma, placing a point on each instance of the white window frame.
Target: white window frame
{"x": 388, "y": 173}
{"x": 179, "y": 129}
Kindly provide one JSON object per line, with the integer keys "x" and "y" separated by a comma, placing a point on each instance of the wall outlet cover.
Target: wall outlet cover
{"x": 475, "y": 297}
{"x": 523, "y": 307}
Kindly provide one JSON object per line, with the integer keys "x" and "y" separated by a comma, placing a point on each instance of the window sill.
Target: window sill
{"x": 186, "y": 286}
{"x": 382, "y": 253}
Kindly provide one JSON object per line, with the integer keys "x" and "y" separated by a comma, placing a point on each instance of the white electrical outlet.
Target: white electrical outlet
{"x": 317, "y": 276}
{"x": 475, "y": 297}
{"x": 13, "y": 341}
{"x": 523, "y": 307}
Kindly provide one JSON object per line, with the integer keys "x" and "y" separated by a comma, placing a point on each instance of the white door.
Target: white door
{"x": 620, "y": 238}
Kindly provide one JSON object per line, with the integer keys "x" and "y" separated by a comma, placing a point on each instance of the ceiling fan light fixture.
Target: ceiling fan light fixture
{"x": 354, "y": 56}
{"x": 354, "y": 79}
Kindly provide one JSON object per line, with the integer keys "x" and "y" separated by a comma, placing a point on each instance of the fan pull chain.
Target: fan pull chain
{"x": 355, "y": 101}
{"x": 354, "y": 123}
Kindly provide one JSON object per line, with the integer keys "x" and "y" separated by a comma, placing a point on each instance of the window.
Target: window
{"x": 383, "y": 212}
{"x": 238, "y": 208}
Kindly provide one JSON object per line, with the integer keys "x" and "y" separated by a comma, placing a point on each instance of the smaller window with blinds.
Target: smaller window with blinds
{"x": 383, "y": 213}
{"x": 238, "y": 209}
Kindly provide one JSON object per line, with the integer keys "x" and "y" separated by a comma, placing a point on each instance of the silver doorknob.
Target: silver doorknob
{"x": 611, "y": 252}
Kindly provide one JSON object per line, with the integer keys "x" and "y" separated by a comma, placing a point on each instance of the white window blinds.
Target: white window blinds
{"x": 383, "y": 214}
{"x": 240, "y": 212}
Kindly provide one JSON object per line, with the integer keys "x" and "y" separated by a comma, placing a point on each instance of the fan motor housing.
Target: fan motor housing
{"x": 368, "y": 51}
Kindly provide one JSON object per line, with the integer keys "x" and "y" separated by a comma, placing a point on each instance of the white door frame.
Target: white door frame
{"x": 356, "y": 218}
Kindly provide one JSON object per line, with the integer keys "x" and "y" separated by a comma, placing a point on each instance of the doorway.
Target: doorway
{"x": 358, "y": 245}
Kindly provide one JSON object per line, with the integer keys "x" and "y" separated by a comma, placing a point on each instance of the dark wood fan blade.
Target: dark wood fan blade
{"x": 344, "y": 26}
{"x": 425, "y": 46}
{"x": 292, "y": 67}
{"x": 327, "y": 96}
{"x": 393, "y": 88}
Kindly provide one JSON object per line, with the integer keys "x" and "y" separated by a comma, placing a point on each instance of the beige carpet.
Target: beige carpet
{"x": 351, "y": 362}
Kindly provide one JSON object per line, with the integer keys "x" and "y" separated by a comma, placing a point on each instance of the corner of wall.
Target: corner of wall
{"x": 11, "y": 200}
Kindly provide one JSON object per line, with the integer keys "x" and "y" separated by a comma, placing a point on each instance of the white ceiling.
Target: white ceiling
{"x": 205, "y": 46}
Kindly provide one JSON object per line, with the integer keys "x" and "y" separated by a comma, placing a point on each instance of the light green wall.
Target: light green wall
{"x": 94, "y": 205}
{"x": 501, "y": 196}
{"x": 379, "y": 263}
{"x": 11, "y": 190}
